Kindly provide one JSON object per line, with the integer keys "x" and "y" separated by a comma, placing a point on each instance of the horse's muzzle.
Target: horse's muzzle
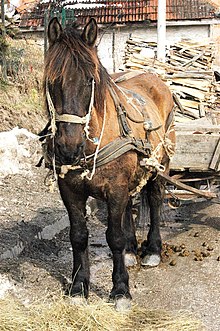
{"x": 64, "y": 155}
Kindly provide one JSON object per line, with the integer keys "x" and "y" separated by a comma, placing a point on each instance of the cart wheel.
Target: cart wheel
{"x": 174, "y": 203}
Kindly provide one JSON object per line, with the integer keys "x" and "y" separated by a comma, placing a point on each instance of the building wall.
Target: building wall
{"x": 215, "y": 32}
{"x": 112, "y": 57}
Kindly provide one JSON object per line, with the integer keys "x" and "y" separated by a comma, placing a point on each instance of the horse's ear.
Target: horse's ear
{"x": 90, "y": 32}
{"x": 54, "y": 30}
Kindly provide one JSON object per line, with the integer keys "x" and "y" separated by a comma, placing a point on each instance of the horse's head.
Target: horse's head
{"x": 72, "y": 76}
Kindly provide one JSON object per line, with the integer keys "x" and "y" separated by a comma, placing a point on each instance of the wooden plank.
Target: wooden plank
{"x": 191, "y": 44}
{"x": 197, "y": 94}
{"x": 192, "y": 112}
{"x": 178, "y": 184}
{"x": 182, "y": 118}
{"x": 203, "y": 85}
{"x": 193, "y": 151}
{"x": 191, "y": 74}
{"x": 180, "y": 194}
{"x": 215, "y": 161}
{"x": 203, "y": 125}
{"x": 190, "y": 103}
{"x": 195, "y": 58}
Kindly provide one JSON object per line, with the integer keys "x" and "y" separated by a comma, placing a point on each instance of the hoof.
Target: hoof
{"x": 123, "y": 304}
{"x": 130, "y": 260}
{"x": 77, "y": 301}
{"x": 152, "y": 260}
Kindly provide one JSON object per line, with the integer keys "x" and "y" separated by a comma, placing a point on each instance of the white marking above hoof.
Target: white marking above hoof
{"x": 123, "y": 305}
{"x": 130, "y": 260}
{"x": 152, "y": 260}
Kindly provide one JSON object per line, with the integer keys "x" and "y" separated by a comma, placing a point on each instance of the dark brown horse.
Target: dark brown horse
{"x": 109, "y": 138}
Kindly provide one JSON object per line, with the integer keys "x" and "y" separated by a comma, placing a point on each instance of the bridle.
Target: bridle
{"x": 68, "y": 118}
{"x": 74, "y": 119}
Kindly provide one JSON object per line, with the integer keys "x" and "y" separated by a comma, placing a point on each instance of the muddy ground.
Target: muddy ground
{"x": 36, "y": 256}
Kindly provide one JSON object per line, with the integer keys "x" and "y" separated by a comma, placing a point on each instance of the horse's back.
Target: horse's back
{"x": 149, "y": 86}
{"x": 151, "y": 98}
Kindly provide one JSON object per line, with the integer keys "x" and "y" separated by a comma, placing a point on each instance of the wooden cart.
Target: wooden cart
{"x": 195, "y": 167}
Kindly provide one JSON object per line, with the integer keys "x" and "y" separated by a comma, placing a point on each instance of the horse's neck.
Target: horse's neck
{"x": 103, "y": 124}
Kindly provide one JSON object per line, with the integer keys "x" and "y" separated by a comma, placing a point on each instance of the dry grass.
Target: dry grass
{"x": 26, "y": 63}
{"x": 60, "y": 315}
{"x": 21, "y": 101}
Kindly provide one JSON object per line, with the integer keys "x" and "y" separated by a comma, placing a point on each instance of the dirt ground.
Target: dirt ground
{"x": 37, "y": 263}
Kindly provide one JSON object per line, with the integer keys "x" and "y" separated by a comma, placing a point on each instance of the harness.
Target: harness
{"x": 126, "y": 142}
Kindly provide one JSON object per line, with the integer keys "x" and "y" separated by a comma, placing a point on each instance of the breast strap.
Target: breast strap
{"x": 118, "y": 147}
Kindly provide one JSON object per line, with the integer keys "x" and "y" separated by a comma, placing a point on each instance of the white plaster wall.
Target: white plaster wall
{"x": 174, "y": 33}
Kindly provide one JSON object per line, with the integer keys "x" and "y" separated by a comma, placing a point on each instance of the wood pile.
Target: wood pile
{"x": 188, "y": 72}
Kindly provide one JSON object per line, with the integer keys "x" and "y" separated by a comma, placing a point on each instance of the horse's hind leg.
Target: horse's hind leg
{"x": 129, "y": 232}
{"x": 115, "y": 236}
{"x": 151, "y": 249}
{"x": 75, "y": 205}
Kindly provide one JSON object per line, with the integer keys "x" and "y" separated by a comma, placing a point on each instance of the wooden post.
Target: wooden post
{"x": 46, "y": 15}
{"x": 161, "y": 30}
{"x": 113, "y": 49}
{"x": 4, "y": 65}
{"x": 3, "y": 16}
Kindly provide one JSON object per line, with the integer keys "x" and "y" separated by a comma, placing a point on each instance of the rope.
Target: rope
{"x": 88, "y": 116}
{"x": 69, "y": 118}
{"x": 86, "y": 172}
{"x": 53, "y": 132}
{"x": 166, "y": 143}
{"x": 52, "y": 111}
{"x": 168, "y": 146}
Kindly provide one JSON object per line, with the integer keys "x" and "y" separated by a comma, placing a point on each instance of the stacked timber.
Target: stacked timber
{"x": 187, "y": 71}
{"x": 189, "y": 74}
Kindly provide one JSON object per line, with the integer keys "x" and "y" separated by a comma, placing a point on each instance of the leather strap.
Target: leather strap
{"x": 120, "y": 146}
{"x": 123, "y": 124}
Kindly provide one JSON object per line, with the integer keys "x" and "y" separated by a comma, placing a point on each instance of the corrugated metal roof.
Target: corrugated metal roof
{"x": 123, "y": 11}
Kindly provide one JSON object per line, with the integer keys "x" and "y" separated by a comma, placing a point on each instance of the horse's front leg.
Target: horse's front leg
{"x": 76, "y": 208}
{"x": 116, "y": 239}
{"x": 151, "y": 249}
